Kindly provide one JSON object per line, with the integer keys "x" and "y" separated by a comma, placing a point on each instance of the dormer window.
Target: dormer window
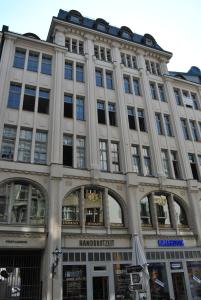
{"x": 75, "y": 16}
{"x": 101, "y": 24}
{"x": 149, "y": 40}
{"x": 101, "y": 27}
{"x": 125, "y": 33}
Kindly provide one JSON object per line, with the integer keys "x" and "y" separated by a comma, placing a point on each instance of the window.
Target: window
{"x": 24, "y": 147}
{"x": 14, "y": 95}
{"x": 46, "y": 66}
{"x": 131, "y": 117}
{"x": 115, "y": 212}
{"x": 177, "y": 95}
{"x": 128, "y": 60}
{"x": 153, "y": 67}
{"x": 147, "y": 161}
{"x": 68, "y": 73}
{"x": 194, "y": 130}
{"x": 67, "y": 44}
{"x": 96, "y": 51}
{"x": 74, "y": 46}
{"x": 103, "y": 155}
{"x": 147, "y": 63}
{"x": 99, "y": 77}
{"x": 161, "y": 93}
{"x": 134, "y": 62}
{"x": 102, "y": 53}
{"x": 153, "y": 91}
{"x": 145, "y": 212}
{"x": 175, "y": 164}
{"x": 68, "y": 150}
{"x": 29, "y": 98}
{"x": 193, "y": 165}
{"x": 70, "y": 209}
{"x": 181, "y": 219}
{"x": 168, "y": 127}
{"x": 162, "y": 210}
{"x": 80, "y": 108}
{"x": 115, "y": 156}
{"x": 101, "y": 112}
{"x": 68, "y": 106}
{"x": 112, "y": 114}
{"x": 80, "y": 150}
{"x": 136, "y": 159}
{"x": 185, "y": 129}
{"x": 195, "y": 101}
{"x": 108, "y": 55}
{"x": 136, "y": 85}
{"x": 125, "y": 35}
{"x": 101, "y": 27}
{"x": 79, "y": 72}
{"x": 33, "y": 61}
{"x": 127, "y": 85}
{"x": 159, "y": 123}
{"x": 165, "y": 162}
{"x": 43, "y": 101}
{"x": 93, "y": 209}
{"x": 109, "y": 80}
{"x": 22, "y": 203}
{"x": 8, "y": 142}
{"x": 40, "y": 154}
{"x": 81, "y": 48}
{"x": 19, "y": 58}
{"x": 141, "y": 119}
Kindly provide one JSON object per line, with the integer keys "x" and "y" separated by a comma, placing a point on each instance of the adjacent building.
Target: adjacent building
{"x": 99, "y": 143}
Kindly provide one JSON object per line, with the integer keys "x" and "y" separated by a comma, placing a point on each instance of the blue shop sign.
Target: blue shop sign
{"x": 170, "y": 243}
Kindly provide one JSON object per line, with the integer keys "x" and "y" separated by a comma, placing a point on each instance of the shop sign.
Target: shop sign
{"x": 135, "y": 287}
{"x": 96, "y": 243}
{"x": 170, "y": 243}
{"x": 176, "y": 265}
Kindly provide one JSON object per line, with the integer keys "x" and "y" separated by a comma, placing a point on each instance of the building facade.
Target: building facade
{"x": 99, "y": 144}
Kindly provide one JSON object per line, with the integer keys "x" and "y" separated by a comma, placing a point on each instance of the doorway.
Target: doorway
{"x": 100, "y": 288}
{"x": 179, "y": 287}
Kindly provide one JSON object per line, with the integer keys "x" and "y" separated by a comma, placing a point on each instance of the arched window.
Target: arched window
{"x": 94, "y": 202}
{"x": 115, "y": 212}
{"x": 125, "y": 33}
{"x": 160, "y": 202}
{"x": 21, "y": 203}
{"x": 149, "y": 40}
{"x": 75, "y": 16}
{"x": 101, "y": 24}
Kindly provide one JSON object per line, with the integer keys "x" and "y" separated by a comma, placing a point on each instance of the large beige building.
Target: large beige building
{"x": 99, "y": 144}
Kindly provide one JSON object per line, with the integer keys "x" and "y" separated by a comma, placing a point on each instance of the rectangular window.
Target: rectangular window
{"x": 80, "y": 108}
{"x": 177, "y": 95}
{"x": 29, "y": 98}
{"x": 68, "y": 106}
{"x": 99, "y": 77}
{"x": 141, "y": 119}
{"x": 24, "y": 147}
{"x": 101, "y": 112}
{"x": 102, "y": 53}
{"x": 161, "y": 93}
{"x": 79, "y": 72}
{"x": 67, "y": 44}
{"x": 103, "y": 156}
{"x": 115, "y": 157}
{"x": 68, "y": 150}
{"x": 19, "y": 58}
{"x": 187, "y": 99}
{"x": 153, "y": 68}
{"x": 153, "y": 91}
{"x": 195, "y": 101}
{"x": 108, "y": 53}
{"x": 194, "y": 130}
{"x": 14, "y": 95}
{"x": 147, "y": 161}
{"x": 109, "y": 80}
{"x": 40, "y": 153}
{"x": 158, "y": 70}
{"x": 192, "y": 161}
{"x": 74, "y": 46}
{"x": 43, "y": 101}
{"x": 80, "y": 150}
{"x": 123, "y": 59}
{"x": 8, "y": 142}
{"x": 147, "y": 63}
{"x": 112, "y": 114}
{"x": 128, "y": 60}
{"x": 96, "y": 51}
{"x": 168, "y": 125}
{"x": 175, "y": 164}
{"x": 46, "y": 66}
{"x": 81, "y": 48}
{"x": 127, "y": 85}
{"x": 131, "y": 118}
{"x": 33, "y": 61}
{"x": 136, "y": 85}
{"x": 185, "y": 129}
{"x": 134, "y": 62}
{"x": 136, "y": 159}
{"x": 165, "y": 162}
{"x": 159, "y": 123}
{"x": 68, "y": 73}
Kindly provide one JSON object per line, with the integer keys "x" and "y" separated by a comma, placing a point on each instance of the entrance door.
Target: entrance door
{"x": 100, "y": 288}
{"x": 179, "y": 286}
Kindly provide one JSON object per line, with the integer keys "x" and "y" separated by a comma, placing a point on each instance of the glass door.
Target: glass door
{"x": 179, "y": 287}
{"x": 100, "y": 288}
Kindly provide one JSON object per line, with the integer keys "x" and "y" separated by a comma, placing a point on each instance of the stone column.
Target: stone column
{"x": 122, "y": 110}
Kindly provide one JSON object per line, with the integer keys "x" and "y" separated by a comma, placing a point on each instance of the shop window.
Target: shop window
{"x": 68, "y": 106}
{"x": 68, "y": 150}
{"x": 158, "y": 281}
{"x": 121, "y": 281}
{"x": 43, "y": 101}
{"x": 26, "y": 204}
{"x": 194, "y": 273}
{"x": 29, "y": 98}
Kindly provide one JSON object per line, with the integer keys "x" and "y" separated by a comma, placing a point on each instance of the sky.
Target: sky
{"x": 175, "y": 24}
